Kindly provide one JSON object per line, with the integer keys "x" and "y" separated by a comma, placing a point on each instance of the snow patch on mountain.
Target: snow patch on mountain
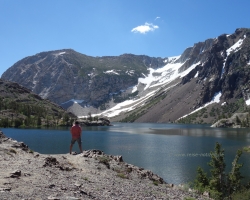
{"x": 224, "y": 103}
{"x": 184, "y": 73}
{"x": 134, "y": 89}
{"x": 223, "y": 68}
{"x": 236, "y": 47}
{"x": 130, "y": 72}
{"x": 248, "y": 102}
{"x": 156, "y": 78}
{"x": 74, "y": 101}
{"x": 60, "y": 53}
{"x": 171, "y": 59}
{"x": 216, "y": 99}
{"x": 126, "y": 106}
{"x": 111, "y": 72}
{"x": 162, "y": 75}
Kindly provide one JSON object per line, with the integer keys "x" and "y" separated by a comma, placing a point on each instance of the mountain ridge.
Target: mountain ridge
{"x": 69, "y": 67}
{"x": 126, "y": 85}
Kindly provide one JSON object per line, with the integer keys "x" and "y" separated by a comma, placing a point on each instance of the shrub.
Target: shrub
{"x": 121, "y": 175}
{"x": 13, "y": 151}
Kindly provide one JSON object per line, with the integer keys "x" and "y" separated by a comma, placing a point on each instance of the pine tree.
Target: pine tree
{"x": 234, "y": 177}
{"x": 65, "y": 118}
{"x": 238, "y": 120}
{"x": 217, "y": 181}
{"x": 17, "y": 123}
{"x": 201, "y": 182}
{"x": 39, "y": 121}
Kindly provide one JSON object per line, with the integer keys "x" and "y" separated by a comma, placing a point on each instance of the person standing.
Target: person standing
{"x": 76, "y": 133}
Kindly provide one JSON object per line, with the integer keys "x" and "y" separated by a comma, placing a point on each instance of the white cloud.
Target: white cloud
{"x": 157, "y": 18}
{"x": 144, "y": 28}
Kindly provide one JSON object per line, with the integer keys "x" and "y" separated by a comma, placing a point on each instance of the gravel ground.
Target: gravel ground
{"x": 25, "y": 174}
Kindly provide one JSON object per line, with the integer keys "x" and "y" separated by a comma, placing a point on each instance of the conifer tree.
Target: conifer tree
{"x": 217, "y": 163}
{"x": 39, "y": 121}
{"x": 201, "y": 182}
{"x": 234, "y": 177}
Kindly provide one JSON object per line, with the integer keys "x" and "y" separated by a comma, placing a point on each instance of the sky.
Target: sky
{"x": 157, "y": 28}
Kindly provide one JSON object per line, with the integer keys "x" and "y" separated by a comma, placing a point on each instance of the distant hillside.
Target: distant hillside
{"x": 19, "y": 107}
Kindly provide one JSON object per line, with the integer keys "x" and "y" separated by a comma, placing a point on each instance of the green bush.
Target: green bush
{"x": 242, "y": 195}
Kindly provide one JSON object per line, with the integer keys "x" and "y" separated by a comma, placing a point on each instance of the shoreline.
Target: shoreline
{"x": 25, "y": 174}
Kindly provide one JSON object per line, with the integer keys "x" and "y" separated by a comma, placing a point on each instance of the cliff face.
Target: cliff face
{"x": 143, "y": 88}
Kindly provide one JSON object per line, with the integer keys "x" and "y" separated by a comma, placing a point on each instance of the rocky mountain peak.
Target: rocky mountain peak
{"x": 213, "y": 71}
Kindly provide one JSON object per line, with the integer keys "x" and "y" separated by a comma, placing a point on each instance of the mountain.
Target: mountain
{"x": 20, "y": 107}
{"x": 64, "y": 75}
{"x": 205, "y": 83}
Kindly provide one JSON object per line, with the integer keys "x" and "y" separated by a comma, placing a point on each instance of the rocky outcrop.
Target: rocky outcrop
{"x": 238, "y": 120}
{"x": 100, "y": 122}
{"x": 91, "y": 175}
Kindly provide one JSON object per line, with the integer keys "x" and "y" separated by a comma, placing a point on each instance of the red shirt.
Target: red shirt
{"x": 76, "y": 131}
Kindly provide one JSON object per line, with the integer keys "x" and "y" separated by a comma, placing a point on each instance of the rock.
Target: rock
{"x": 15, "y": 174}
{"x": 21, "y": 145}
{"x": 73, "y": 198}
{"x": 118, "y": 158}
{"x": 77, "y": 184}
{"x": 2, "y": 135}
{"x": 52, "y": 186}
{"x": 53, "y": 198}
{"x": 5, "y": 189}
{"x": 63, "y": 188}
{"x": 206, "y": 194}
{"x": 232, "y": 122}
{"x": 50, "y": 161}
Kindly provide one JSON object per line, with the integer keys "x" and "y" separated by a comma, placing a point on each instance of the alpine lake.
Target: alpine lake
{"x": 173, "y": 151}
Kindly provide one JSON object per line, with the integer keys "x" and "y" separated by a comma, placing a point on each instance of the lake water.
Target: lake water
{"x": 172, "y": 151}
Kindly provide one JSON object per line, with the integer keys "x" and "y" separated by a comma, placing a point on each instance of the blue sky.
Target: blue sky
{"x": 159, "y": 28}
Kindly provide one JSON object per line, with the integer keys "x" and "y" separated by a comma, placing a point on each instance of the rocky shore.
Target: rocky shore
{"x": 100, "y": 122}
{"x": 25, "y": 174}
